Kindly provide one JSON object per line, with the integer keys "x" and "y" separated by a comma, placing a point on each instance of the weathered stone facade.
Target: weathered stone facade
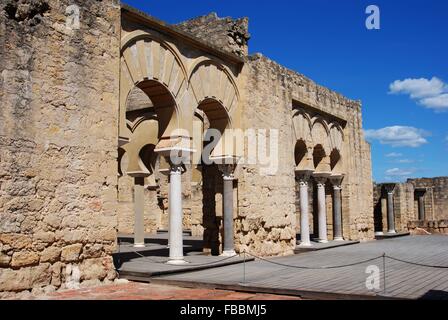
{"x": 417, "y": 203}
{"x": 58, "y": 136}
{"x": 83, "y": 106}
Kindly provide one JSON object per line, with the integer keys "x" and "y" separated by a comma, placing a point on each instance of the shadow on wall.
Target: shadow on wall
{"x": 211, "y": 222}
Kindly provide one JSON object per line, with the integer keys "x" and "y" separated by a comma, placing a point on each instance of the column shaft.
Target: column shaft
{"x": 421, "y": 207}
{"x": 337, "y": 213}
{"x": 390, "y": 213}
{"x": 322, "y": 212}
{"x": 228, "y": 242}
{"x": 139, "y": 219}
{"x": 176, "y": 255}
{"x": 304, "y": 219}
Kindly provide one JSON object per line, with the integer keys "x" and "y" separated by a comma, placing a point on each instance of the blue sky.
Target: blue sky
{"x": 400, "y": 72}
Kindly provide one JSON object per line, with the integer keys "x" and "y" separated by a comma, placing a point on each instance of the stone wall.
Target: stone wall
{"x": 428, "y": 227}
{"x": 58, "y": 144}
{"x": 226, "y": 33}
{"x": 436, "y": 197}
{"x": 267, "y": 207}
{"x": 435, "y": 201}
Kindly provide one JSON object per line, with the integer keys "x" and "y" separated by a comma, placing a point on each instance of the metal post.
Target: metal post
{"x": 384, "y": 273}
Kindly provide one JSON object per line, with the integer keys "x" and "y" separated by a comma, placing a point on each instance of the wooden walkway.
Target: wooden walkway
{"x": 402, "y": 280}
{"x": 141, "y": 264}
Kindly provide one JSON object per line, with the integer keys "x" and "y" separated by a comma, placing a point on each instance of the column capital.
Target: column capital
{"x": 389, "y": 187}
{"x": 336, "y": 181}
{"x": 227, "y": 165}
{"x": 321, "y": 177}
{"x": 303, "y": 176}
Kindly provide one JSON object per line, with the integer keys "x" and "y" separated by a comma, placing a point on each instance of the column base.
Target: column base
{"x": 338, "y": 239}
{"x": 178, "y": 261}
{"x": 379, "y": 233}
{"x": 392, "y": 231}
{"x": 322, "y": 240}
{"x": 139, "y": 245}
{"x": 228, "y": 253}
{"x": 305, "y": 244}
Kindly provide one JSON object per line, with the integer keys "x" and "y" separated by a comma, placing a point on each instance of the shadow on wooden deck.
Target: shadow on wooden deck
{"x": 141, "y": 264}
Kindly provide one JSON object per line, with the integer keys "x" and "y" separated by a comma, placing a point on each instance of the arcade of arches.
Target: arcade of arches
{"x": 173, "y": 92}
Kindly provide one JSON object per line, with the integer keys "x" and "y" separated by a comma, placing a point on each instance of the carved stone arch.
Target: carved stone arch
{"x": 336, "y": 137}
{"x": 320, "y": 134}
{"x": 212, "y": 80}
{"x": 336, "y": 145}
{"x": 302, "y": 126}
{"x": 154, "y": 66}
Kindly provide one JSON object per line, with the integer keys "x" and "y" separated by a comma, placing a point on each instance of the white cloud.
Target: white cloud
{"x": 396, "y": 172}
{"x": 418, "y": 88}
{"x": 437, "y": 102}
{"x": 394, "y": 155}
{"x": 433, "y": 93}
{"x": 405, "y": 161}
{"x": 398, "y": 136}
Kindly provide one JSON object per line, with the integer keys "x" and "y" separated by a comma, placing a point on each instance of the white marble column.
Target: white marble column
{"x": 336, "y": 181}
{"x": 139, "y": 219}
{"x": 176, "y": 248}
{"x": 321, "y": 178}
{"x": 390, "y": 208}
{"x": 304, "y": 177}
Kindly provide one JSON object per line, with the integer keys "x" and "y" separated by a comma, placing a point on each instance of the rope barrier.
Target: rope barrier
{"x": 346, "y": 265}
{"x": 384, "y": 256}
{"x": 417, "y": 264}
{"x": 183, "y": 265}
{"x": 315, "y": 268}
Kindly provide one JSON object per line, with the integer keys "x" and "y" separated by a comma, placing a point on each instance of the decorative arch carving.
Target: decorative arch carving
{"x": 320, "y": 133}
{"x": 302, "y": 127}
{"x": 211, "y": 80}
{"x": 145, "y": 57}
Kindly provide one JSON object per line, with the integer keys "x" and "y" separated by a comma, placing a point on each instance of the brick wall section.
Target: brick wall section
{"x": 58, "y": 144}
{"x": 229, "y": 34}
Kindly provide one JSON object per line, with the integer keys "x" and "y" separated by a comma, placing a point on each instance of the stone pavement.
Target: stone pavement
{"x": 146, "y": 291}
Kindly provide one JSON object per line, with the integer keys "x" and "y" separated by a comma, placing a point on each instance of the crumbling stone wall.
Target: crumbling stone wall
{"x": 436, "y": 197}
{"x": 406, "y": 204}
{"x": 229, "y": 34}
{"x": 58, "y": 137}
{"x": 428, "y": 227}
{"x": 266, "y": 222}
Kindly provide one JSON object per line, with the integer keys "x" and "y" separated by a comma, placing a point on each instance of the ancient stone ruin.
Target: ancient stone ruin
{"x": 99, "y": 121}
